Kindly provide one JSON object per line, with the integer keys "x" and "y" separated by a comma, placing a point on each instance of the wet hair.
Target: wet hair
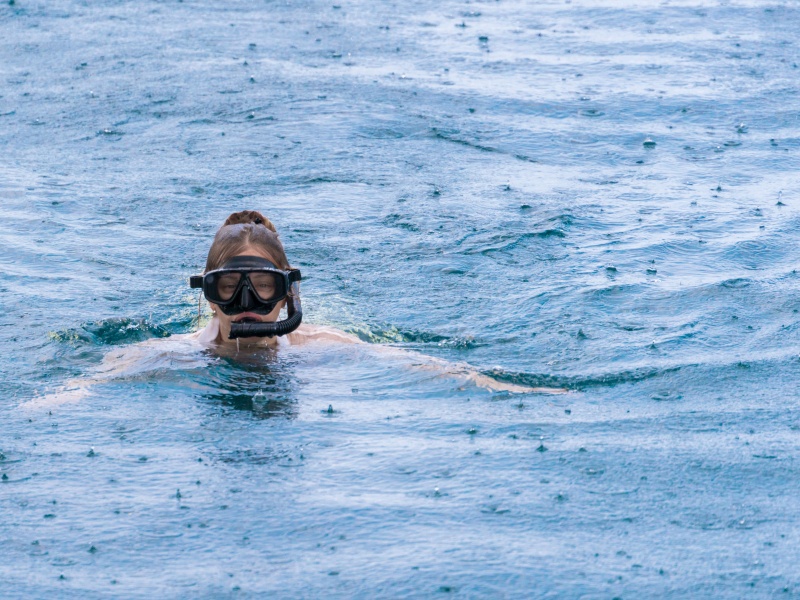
{"x": 240, "y": 230}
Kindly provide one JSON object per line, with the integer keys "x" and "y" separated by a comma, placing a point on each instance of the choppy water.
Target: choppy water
{"x": 465, "y": 179}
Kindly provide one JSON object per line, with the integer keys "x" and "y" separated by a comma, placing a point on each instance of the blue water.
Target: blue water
{"x": 600, "y": 195}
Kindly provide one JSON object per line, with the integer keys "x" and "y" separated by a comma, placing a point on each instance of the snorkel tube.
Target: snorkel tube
{"x": 278, "y": 328}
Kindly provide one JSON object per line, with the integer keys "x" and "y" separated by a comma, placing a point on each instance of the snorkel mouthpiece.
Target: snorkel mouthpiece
{"x": 261, "y": 329}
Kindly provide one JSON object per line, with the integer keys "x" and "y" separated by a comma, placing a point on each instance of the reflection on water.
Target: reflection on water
{"x": 259, "y": 383}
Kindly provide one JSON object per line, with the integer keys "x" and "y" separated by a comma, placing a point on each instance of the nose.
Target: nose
{"x": 246, "y": 301}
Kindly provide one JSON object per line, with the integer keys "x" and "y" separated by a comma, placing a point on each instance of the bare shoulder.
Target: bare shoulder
{"x": 320, "y": 333}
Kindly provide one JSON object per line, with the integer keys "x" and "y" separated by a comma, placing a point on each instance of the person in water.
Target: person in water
{"x": 247, "y": 282}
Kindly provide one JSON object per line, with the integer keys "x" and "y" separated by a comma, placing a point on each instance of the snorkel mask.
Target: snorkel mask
{"x": 253, "y": 284}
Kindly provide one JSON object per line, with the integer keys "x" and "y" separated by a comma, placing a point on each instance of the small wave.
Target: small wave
{"x": 388, "y": 335}
{"x": 547, "y": 233}
{"x": 381, "y": 133}
{"x": 738, "y": 282}
{"x": 451, "y": 137}
{"x": 326, "y": 179}
{"x": 508, "y": 242}
{"x": 399, "y": 222}
{"x": 579, "y": 382}
{"x": 117, "y": 331}
{"x": 268, "y": 456}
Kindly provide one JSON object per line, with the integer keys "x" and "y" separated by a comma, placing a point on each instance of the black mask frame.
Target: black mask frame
{"x": 246, "y": 299}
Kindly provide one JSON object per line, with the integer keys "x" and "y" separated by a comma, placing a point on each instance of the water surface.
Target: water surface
{"x": 599, "y": 195}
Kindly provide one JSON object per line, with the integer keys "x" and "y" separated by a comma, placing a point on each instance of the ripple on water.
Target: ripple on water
{"x": 114, "y": 331}
{"x": 756, "y": 254}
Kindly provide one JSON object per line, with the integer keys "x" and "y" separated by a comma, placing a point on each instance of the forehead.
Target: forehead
{"x": 253, "y": 251}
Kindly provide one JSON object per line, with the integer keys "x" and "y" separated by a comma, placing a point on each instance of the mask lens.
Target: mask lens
{"x": 265, "y": 285}
{"x": 226, "y": 285}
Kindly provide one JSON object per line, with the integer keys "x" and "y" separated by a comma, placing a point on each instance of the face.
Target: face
{"x": 264, "y": 286}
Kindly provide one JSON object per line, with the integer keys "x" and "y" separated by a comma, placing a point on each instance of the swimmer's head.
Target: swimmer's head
{"x": 246, "y": 231}
{"x": 250, "y": 234}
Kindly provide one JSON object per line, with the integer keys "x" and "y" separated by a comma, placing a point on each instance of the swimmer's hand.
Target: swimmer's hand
{"x": 306, "y": 334}
{"x": 73, "y": 391}
{"x": 488, "y": 383}
{"x": 465, "y": 372}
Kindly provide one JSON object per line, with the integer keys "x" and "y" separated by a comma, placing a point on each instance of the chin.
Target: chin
{"x": 252, "y": 341}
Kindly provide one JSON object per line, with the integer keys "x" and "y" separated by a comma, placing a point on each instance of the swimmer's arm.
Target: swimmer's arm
{"x": 316, "y": 333}
{"x": 320, "y": 333}
{"x": 489, "y": 383}
{"x": 121, "y": 362}
{"x": 468, "y": 373}
{"x": 78, "y": 388}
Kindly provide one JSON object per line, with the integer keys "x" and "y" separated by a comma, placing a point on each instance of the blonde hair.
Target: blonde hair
{"x": 240, "y": 230}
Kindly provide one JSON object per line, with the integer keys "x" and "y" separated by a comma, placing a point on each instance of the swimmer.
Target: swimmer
{"x": 247, "y": 282}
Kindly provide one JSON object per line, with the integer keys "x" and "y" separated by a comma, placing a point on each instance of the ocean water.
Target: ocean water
{"x": 600, "y": 195}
